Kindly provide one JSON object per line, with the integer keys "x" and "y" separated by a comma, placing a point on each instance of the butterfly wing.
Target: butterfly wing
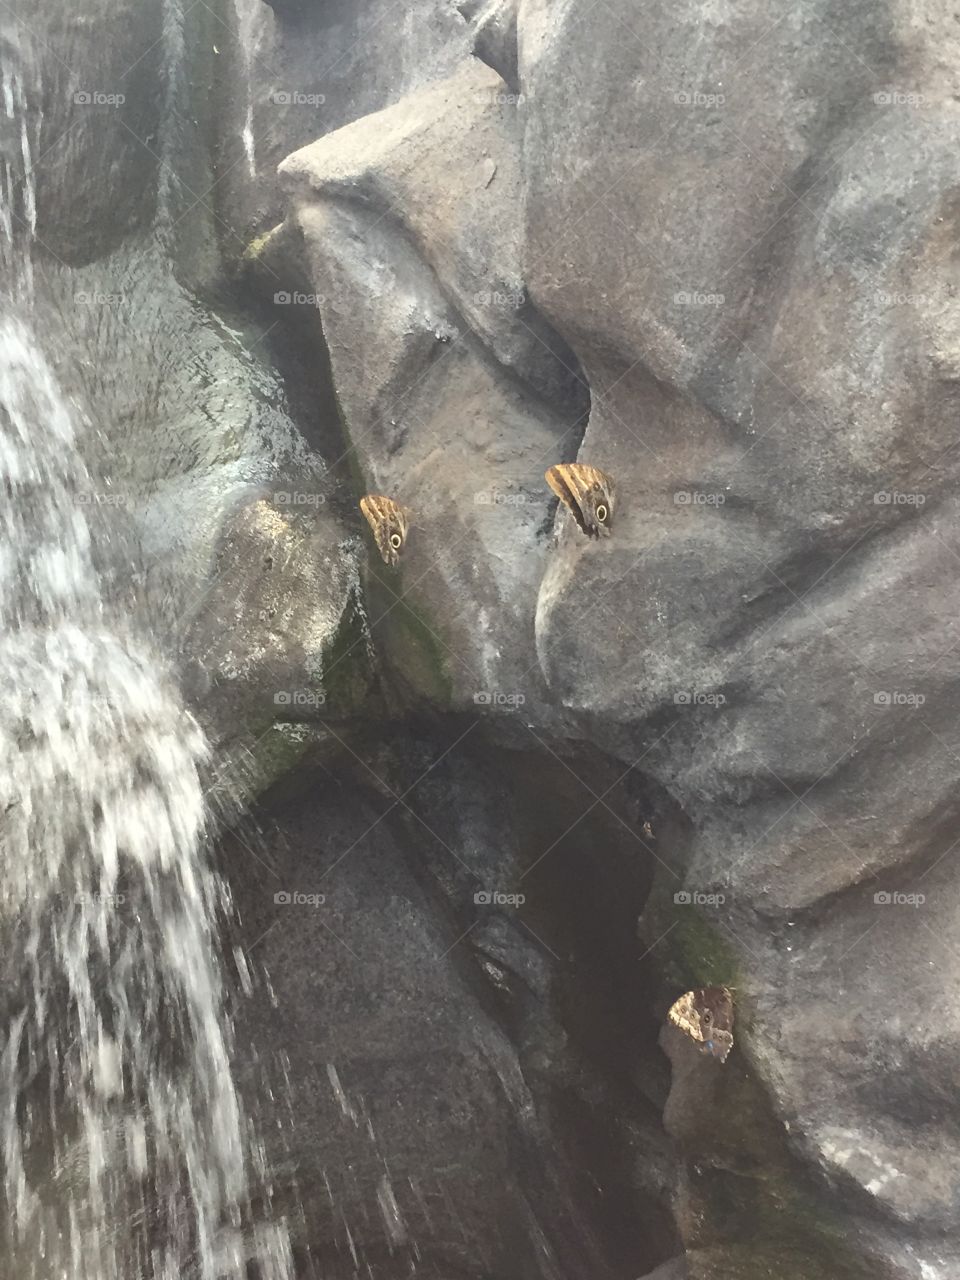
{"x": 587, "y": 493}
{"x": 706, "y": 1016}
{"x": 389, "y": 523}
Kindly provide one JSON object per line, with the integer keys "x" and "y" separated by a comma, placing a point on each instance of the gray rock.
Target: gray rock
{"x": 738, "y": 232}
{"x": 300, "y": 69}
{"x": 741, "y": 229}
{"x": 769, "y": 391}
{"x": 218, "y": 482}
{"x": 676, "y": 1270}
{"x": 423, "y": 333}
{"x": 445, "y": 1095}
{"x": 495, "y": 35}
{"x": 448, "y": 157}
{"x": 280, "y": 635}
{"x": 90, "y": 85}
{"x": 192, "y": 431}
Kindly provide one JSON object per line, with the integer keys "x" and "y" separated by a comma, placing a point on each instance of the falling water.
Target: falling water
{"x": 19, "y": 136}
{"x": 124, "y": 1150}
{"x": 250, "y": 16}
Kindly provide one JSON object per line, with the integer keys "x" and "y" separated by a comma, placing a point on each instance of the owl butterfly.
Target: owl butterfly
{"x": 706, "y": 1016}
{"x": 587, "y": 494}
{"x": 389, "y": 522}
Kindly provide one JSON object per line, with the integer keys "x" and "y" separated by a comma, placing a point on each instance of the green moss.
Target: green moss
{"x": 751, "y": 1209}
{"x": 415, "y": 653}
{"x": 745, "y": 1184}
{"x": 697, "y": 952}
{"x": 405, "y": 638}
{"x": 255, "y": 249}
{"x": 346, "y": 677}
{"x": 277, "y": 752}
{"x": 761, "y": 1194}
{"x": 752, "y": 1262}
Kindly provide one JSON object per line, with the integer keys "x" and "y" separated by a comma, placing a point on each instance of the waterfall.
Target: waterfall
{"x": 19, "y": 135}
{"x": 168, "y": 177}
{"x": 125, "y": 1152}
{"x": 250, "y": 17}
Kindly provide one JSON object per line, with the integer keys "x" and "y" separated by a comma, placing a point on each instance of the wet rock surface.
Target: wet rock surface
{"x": 746, "y": 251}
{"x": 711, "y": 252}
{"x": 455, "y": 1033}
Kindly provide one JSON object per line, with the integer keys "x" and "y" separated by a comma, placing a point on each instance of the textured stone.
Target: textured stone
{"x": 427, "y": 326}
{"x": 300, "y": 69}
{"x": 419, "y": 1022}
{"x": 738, "y": 230}
{"x": 763, "y": 315}
{"x": 741, "y": 227}
{"x": 495, "y": 35}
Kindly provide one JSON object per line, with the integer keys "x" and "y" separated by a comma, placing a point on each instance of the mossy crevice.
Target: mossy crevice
{"x": 696, "y": 952}
{"x": 278, "y": 752}
{"x": 758, "y": 1262}
{"x": 418, "y": 657}
{"x": 259, "y": 245}
{"x": 741, "y": 1180}
{"x": 346, "y": 678}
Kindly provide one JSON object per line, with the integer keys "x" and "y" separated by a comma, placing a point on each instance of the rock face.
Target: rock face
{"x": 209, "y": 498}
{"x": 461, "y": 345}
{"x": 299, "y": 69}
{"x": 772, "y": 385}
{"x": 741, "y": 229}
{"x": 712, "y": 251}
{"x": 456, "y": 1036}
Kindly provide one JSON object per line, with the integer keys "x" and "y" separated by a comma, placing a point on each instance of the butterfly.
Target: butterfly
{"x": 707, "y": 1017}
{"x": 389, "y": 522}
{"x": 588, "y": 494}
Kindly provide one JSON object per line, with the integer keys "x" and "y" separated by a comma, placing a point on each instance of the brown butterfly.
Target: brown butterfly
{"x": 389, "y": 522}
{"x": 588, "y": 494}
{"x": 706, "y": 1016}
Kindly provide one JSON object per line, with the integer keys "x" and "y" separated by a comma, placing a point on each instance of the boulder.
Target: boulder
{"x": 296, "y": 70}
{"x": 444, "y": 1022}
{"x": 736, "y": 233}
{"x": 746, "y": 250}
{"x": 729, "y": 240}
{"x": 454, "y": 394}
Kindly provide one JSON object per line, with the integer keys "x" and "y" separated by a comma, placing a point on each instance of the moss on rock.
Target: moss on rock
{"x": 697, "y": 953}
{"x": 255, "y": 250}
